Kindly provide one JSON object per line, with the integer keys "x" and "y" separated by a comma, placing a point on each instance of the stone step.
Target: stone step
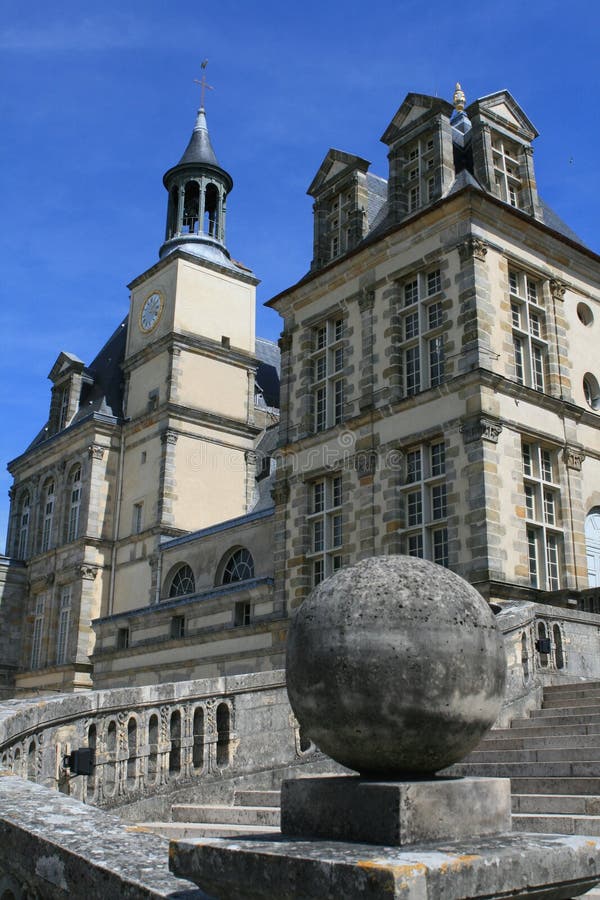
{"x": 555, "y": 718}
{"x": 257, "y": 798}
{"x": 565, "y": 769}
{"x": 226, "y": 815}
{"x": 537, "y": 742}
{"x": 560, "y": 702}
{"x": 543, "y": 754}
{"x": 174, "y": 830}
{"x": 552, "y": 717}
{"x": 575, "y": 686}
{"x": 557, "y": 804}
{"x": 589, "y": 786}
{"x": 545, "y": 824}
{"x": 541, "y": 729}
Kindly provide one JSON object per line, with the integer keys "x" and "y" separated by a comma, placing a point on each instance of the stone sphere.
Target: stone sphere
{"x": 395, "y": 666}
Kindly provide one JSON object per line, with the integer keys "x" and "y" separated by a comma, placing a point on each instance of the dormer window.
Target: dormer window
{"x": 506, "y": 169}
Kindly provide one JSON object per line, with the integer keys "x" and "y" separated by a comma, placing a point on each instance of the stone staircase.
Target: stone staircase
{"x": 252, "y": 812}
{"x": 553, "y": 761}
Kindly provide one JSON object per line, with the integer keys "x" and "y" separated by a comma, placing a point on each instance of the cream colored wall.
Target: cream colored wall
{"x": 209, "y": 483}
{"x": 145, "y": 378}
{"x": 132, "y": 585}
{"x": 213, "y": 304}
{"x": 165, "y": 281}
{"x": 140, "y": 480}
{"x": 584, "y": 341}
{"x": 213, "y": 385}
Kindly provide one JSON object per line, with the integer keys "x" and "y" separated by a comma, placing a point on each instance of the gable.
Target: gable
{"x": 336, "y": 165}
{"x": 66, "y": 362}
{"x": 415, "y": 107}
{"x": 503, "y": 109}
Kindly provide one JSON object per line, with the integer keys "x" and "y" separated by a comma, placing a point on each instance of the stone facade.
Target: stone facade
{"x": 435, "y": 374}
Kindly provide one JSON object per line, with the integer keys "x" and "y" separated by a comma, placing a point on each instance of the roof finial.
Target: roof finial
{"x": 459, "y": 98}
{"x": 203, "y": 83}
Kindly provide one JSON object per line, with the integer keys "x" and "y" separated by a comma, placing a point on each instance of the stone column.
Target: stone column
{"x": 366, "y": 303}
{"x": 167, "y": 482}
{"x": 285, "y": 384}
{"x": 476, "y": 312}
{"x": 559, "y": 363}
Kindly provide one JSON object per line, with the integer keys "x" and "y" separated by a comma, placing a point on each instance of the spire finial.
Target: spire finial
{"x": 203, "y": 83}
{"x": 459, "y": 98}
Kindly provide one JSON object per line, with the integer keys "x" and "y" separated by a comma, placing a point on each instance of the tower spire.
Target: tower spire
{"x": 203, "y": 83}
{"x": 198, "y": 189}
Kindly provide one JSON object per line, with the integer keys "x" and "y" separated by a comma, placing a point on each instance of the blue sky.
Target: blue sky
{"x": 98, "y": 100}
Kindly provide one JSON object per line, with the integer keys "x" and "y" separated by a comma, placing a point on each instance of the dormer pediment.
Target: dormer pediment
{"x": 416, "y": 107}
{"x": 502, "y": 109}
{"x": 66, "y": 364}
{"x": 334, "y": 167}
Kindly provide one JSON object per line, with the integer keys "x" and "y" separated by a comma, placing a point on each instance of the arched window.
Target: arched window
{"x": 74, "y": 503}
{"x": 542, "y": 644}
{"x": 592, "y": 546}
{"x": 211, "y": 210}
{"x": 153, "y": 748}
{"x": 191, "y": 208}
{"x": 48, "y": 515}
{"x": 23, "y": 525}
{"x": 559, "y": 657}
{"x": 239, "y": 566}
{"x": 524, "y": 657}
{"x": 182, "y": 582}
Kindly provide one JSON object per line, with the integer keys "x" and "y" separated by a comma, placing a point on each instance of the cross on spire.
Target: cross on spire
{"x": 203, "y": 83}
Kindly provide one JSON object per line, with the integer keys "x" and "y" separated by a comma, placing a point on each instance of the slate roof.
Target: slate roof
{"x": 268, "y": 372}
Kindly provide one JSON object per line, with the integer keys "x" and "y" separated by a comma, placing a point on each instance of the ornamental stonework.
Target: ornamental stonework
{"x": 482, "y": 429}
{"x": 573, "y": 457}
{"x": 472, "y": 248}
{"x": 169, "y": 437}
{"x": 366, "y": 301}
{"x": 280, "y": 493}
{"x": 88, "y": 573}
{"x": 96, "y": 451}
{"x": 557, "y": 289}
{"x": 285, "y": 341}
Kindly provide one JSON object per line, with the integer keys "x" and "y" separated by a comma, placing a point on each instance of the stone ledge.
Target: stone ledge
{"x": 544, "y": 867}
{"x": 57, "y": 847}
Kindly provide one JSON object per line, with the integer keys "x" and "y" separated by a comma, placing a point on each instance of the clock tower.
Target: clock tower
{"x": 187, "y": 459}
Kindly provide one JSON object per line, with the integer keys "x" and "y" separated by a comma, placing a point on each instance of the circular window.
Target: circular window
{"x": 591, "y": 390}
{"x": 584, "y": 314}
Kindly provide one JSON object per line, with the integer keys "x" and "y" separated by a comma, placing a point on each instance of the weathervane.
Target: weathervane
{"x": 203, "y": 83}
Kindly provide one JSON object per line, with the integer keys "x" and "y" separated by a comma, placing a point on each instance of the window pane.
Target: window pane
{"x": 438, "y": 501}
{"x": 411, "y": 292}
{"x": 414, "y": 508}
{"x": 414, "y": 545}
{"x": 413, "y": 466}
{"x": 413, "y": 370}
{"x": 411, "y": 326}
{"x": 438, "y": 459}
{"x": 440, "y": 546}
{"x": 434, "y": 282}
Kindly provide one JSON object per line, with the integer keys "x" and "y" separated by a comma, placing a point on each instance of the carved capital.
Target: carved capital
{"x": 280, "y": 493}
{"x": 481, "y": 429}
{"x": 472, "y": 248}
{"x": 365, "y": 462}
{"x": 169, "y": 437}
{"x": 366, "y": 300}
{"x": 250, "y": 457}
{"x": 11, "y": 493}
{"x": 557, "y": 289}
{"x": 96, "y": 451}
{"x": 285, "y": 341}
{"x": 88, "y": 573}
{"x": 573, "y": 457}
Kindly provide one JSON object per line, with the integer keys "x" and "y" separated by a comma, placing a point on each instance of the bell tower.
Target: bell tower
{"x": 188, "y": 450}
{"x": 198, "y": 189}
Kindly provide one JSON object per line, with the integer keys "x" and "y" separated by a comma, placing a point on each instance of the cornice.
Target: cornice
{"x": 161, "y": 264}
{"x": 176, "y": 341}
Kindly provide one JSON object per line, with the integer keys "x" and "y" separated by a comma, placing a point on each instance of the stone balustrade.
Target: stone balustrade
{"x": 152, "y": 739}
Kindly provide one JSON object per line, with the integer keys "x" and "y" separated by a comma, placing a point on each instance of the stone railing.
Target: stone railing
{"x": 152, "y": 739}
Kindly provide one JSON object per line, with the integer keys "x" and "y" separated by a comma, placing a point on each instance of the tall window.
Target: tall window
{"x": 422, "y": 338}
{"x": 543, "y": 516}
{"x": 23, "y": 525}
{"x": 63, "y": 407}
{"x": 418, "y": 172}
{"x": 74, "y": 503}
{"x": 328, "y": 367}
{"x": 338, "y": 222}
{"x": 506, "y": 169}
{"x": 326, "y": 527}
{"x": 529, "y": 330}
{"x": 64, "y": 617}
{"x": 38, "y": 632}
{"x": 138, "y": 512}
{"x": 48, "y": 510}
{"x": 425, "y": 502}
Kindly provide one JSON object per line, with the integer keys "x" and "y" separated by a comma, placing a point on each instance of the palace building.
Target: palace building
{"x": 439, "y": 397}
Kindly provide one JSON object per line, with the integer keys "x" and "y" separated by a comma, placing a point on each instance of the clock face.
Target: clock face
{"x": 151, "y": 311}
